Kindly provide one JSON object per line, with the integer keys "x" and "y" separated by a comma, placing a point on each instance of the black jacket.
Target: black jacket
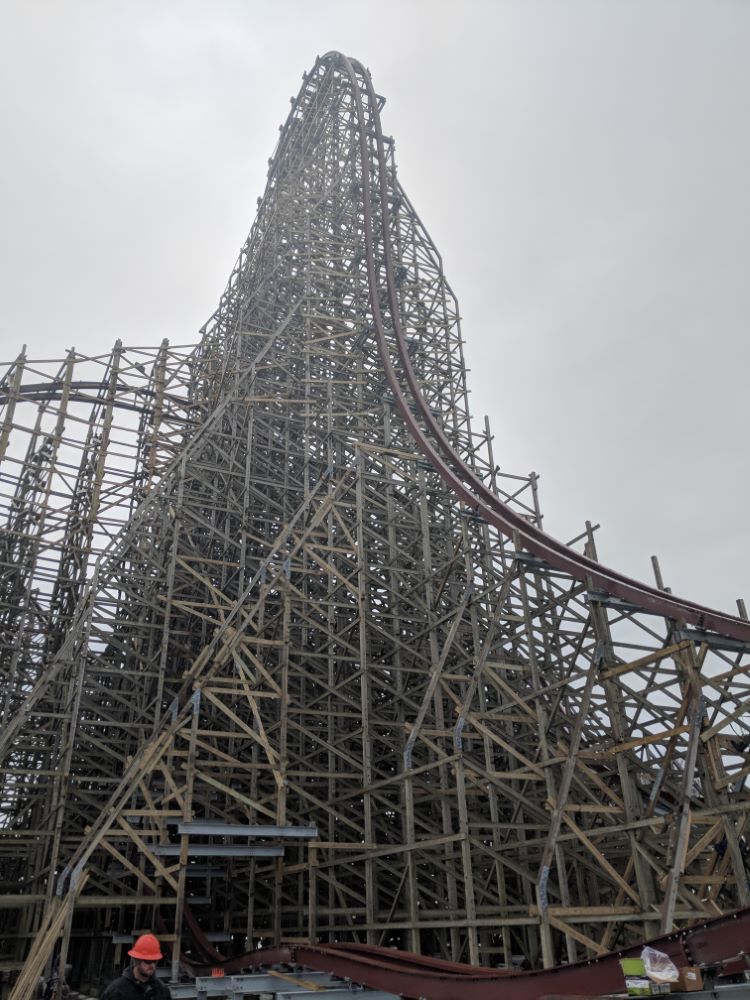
{"x": 127, "y": 987}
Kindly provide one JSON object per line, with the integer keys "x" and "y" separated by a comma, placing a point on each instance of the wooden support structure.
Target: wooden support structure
{"x": 233, "y": 592}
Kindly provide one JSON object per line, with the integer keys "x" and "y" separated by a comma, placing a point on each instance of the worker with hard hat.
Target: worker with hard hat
{"x": 139, "y": 981}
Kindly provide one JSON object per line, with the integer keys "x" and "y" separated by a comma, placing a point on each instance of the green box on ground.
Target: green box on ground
{"x": 638, "y": 986}
{"x": 633, "y": 966}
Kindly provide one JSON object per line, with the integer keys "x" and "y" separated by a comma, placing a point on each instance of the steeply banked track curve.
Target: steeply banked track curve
{"x": 433, "y": 442}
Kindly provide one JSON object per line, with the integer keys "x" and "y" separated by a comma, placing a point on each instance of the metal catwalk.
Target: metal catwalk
{"x": 286, "y": 657}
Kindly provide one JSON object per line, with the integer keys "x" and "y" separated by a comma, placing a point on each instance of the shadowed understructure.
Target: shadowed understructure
{"x": 286, "y": 656}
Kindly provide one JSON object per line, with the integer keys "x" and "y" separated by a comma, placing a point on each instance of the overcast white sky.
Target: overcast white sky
{"x": 582, "y": 165}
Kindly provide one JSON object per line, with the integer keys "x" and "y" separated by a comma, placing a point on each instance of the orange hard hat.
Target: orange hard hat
{"x": 146, "y": 948}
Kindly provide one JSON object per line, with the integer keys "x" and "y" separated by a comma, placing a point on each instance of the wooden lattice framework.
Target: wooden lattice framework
{"x": 233, "y": 592}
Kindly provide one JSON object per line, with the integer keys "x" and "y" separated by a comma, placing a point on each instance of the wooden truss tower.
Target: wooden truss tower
{"x": 265, "y": 676}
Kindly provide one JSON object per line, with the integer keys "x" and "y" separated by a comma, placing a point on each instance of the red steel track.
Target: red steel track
{"x": 712, "y": 943}
{"x": 720, "y": 942}
{"x": 436, "y": 447}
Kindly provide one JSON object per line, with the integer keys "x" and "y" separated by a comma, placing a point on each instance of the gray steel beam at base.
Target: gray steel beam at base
{"x": 212, "y": 829}
{"x": 236, "y": 987}
{"x": 217, "y": 851}
{"x": 345, "y": 993}
{"x": 220, "y": 986}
